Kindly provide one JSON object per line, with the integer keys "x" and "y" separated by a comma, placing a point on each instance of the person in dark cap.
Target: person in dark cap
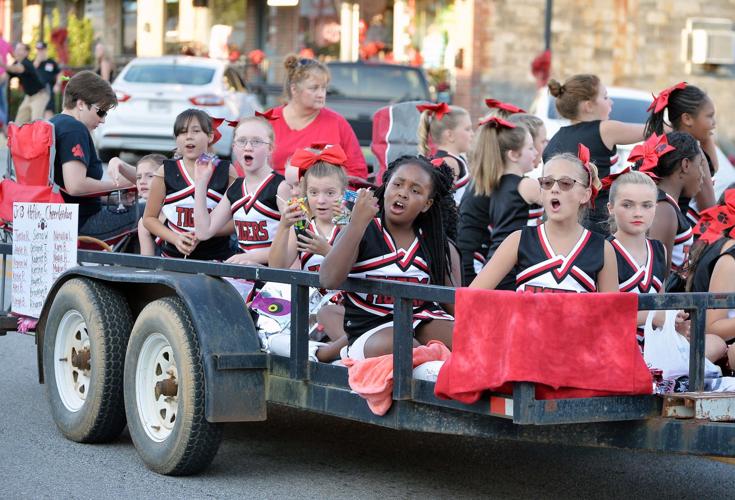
{"x": 48, "y": 71}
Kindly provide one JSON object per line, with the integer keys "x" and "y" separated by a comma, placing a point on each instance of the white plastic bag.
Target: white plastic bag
{"x": 667, "y": 350}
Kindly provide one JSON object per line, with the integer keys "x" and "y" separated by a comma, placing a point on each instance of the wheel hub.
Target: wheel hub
{"x": 80, "y": 359}
{"x": 72, "y": 360}
{"x": 157, "y": 387}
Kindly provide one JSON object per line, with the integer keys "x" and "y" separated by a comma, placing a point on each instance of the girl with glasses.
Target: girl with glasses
{"x": 172, "y": 192}
{"x": 251, "y": 201}
{"x": 559, "y": 255}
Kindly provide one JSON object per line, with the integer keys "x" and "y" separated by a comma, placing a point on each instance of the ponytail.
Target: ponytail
{"x": 488, "y": 156}
{"x": 423, "y": 133}
{"x": 686, "y": 100}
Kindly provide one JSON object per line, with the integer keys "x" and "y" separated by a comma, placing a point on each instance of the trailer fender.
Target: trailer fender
{"x": 234, "y": 365}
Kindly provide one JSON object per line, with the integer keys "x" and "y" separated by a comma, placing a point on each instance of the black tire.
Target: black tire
{"x": 107, "y": 323}
{"x": 190, "y": 443}
{"x": 106, "y": 155}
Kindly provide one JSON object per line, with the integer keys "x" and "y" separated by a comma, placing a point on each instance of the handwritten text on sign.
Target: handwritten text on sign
{"x": 44, "y": 246}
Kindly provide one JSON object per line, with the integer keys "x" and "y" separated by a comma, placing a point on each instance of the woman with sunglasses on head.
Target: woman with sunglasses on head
{"x": 305, "y": 119}
{"x": 77, "y": 168}
{"x": 252, "y": 201}
{"x": 559, "y": 255}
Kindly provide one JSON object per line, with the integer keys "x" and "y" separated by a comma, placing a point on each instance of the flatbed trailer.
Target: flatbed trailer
{"x": 166, "y": 347}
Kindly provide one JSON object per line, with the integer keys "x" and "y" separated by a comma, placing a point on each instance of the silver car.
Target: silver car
{"x": 151, "y": 92}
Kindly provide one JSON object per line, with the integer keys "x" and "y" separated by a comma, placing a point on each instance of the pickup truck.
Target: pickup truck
{"x": 358, "y": 89}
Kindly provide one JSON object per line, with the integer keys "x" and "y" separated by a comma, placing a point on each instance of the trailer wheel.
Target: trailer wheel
{"x": 164, "y": 392}
{"x": 84, "y": 350}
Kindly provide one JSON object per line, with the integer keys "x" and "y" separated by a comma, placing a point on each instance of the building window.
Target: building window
{"x": 129, "y": 27}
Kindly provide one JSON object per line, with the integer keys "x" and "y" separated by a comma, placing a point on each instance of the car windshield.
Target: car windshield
{"x": 169, "y": 73}
{"x": 624, "y": 110}
{"x": 377, "y": 82}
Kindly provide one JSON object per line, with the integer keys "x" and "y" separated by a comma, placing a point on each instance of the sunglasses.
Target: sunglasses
{"x": 100, "y": 112}
{"x": 565, "y": 183}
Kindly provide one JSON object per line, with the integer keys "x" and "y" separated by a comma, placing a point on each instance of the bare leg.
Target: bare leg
{"x": 437, "y": 329}
{"x": 331, "y": 351}
{"x": 381, "y": 343}
{"x": 332, "y": 318}
{"x": 714, "y": 348}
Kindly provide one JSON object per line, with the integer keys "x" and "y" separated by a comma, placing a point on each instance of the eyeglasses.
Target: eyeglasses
{"x": 565, "y": 183}
{"x": 256, "y": 143}
{"x": 100, "y": 112}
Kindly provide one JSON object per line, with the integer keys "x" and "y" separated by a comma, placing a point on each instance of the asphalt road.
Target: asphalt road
{"x": 296, "y": 455}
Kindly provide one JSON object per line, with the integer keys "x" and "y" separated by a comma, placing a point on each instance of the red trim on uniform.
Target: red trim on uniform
{"x": 372, "y": 265}
{"x": 254, "y": 246}
{"x": 254, "y": 196}
{"x": 583, "y": 280}
{"x": 531, "y": 273}
{"x": 682, "y": 237}
{"x": 178, "y": 195}
{"x": 386, "y": 236}
{"x": 267, "y": 211}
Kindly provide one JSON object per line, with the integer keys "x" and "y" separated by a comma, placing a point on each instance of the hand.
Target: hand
{"x": 242, "y": 259}
{"x": 203, "y": 172}
{"x": 312, "y": 243}
{"x": 186, "y": 243}
{"x": 338, "y": 206}
{"x": 682, "y": 324}
{"x": 113, "y": 170}
{"x": 366, "y": 207}
{"x": 291, "y": 214}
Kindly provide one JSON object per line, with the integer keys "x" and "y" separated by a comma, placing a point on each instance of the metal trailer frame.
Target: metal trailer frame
{"x": 240, "y": 379}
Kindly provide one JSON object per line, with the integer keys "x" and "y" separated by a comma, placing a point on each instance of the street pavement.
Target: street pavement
{"x": 296, "y": 455}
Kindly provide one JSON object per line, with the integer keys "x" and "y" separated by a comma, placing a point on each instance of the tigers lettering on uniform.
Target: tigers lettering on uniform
{"x": 256, "y": 214}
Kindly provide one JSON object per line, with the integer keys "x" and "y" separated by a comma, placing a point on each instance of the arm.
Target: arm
{"x": 664, "y": 229}
{"x": 502, "y": 262}
{"x": 283, "y": 249}
{"x": 105, "y": 70}
{"x": 147, "y": 245}
{"x": 185, "y": 242}
{"x": 614, "y": 132}
{"x": 76, "y": 182}
{"x": 454, "y": 279}
{"x": 206, "y": 224}
{"x": 607, "y": 279}
{"x": 14, "y": 69}
{"x": 718, "y": 322}
{"x": 530, "y": 190}
{"x": 355, "y": 164}
{"x": 116, "y": 168}
{"x": 339, "y": 261}
{"x": 232, "y": 174}
{"x": 706, "y": 196}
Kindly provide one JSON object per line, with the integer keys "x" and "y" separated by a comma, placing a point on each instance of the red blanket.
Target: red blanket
{"x": 570, "y": 344}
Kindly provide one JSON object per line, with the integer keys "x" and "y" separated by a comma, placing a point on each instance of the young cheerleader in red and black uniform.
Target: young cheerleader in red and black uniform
{"x": 251, "y": 201}
{"x": 583, "y": 100}
{"x": 559, "y": 255}
{"x": 172, "y": 192}
{"x": 680, "y": 174}
{"x": 323, "y": 183}
{"x": 397, "y": 234}
{"x": 689, "y": 110}
{"x": 450, "y": 129}
{"x": 504, "y": 153}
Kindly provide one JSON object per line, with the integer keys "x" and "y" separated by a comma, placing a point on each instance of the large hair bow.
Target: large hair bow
{"x": 607, "y": 181}
{"x": 662, "y": 100}
{"x": 438, "y": 110}
{"x": 268, "y": 115}
{"x": 583, "y": 153}
{"x": 716, "y": 220}
{"x": 304, "y": 159}
{"x": 649, "y": 153}
{"x": 510, "y": 108}
{"x": 216, "y": 134}
{"x": 495, "y": 122}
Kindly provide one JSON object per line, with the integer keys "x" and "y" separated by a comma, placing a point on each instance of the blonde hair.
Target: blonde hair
{"x": 430, "y": 126}
{"x": 299, "y": 69}
{"x": 632, "y": 177}
{"x": 532, "y": 122}
{"x": 260, "y": 120}
{"x": 488, "y": 156}
{"x": 323, "y": 169}
{"x": 575, "y": 90}
{"x": 591, "y": 178}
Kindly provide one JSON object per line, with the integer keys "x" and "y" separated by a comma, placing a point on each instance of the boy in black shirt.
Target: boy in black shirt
{"x": 48, "y": 70}
{"x": 36, "y": 98}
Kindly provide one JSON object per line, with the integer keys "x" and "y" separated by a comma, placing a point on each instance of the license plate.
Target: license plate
{"x": 159, "y": 106}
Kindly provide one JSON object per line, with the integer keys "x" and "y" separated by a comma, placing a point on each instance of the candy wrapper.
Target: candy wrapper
{"x": 348, "y": 203}
{"x": 207, "y": 157}
{"x": 301, "y": 224}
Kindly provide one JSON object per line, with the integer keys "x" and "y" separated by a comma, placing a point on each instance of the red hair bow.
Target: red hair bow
{"x": 233, "y": 123}
{"x": 268, "y": 115}
{"x": 607, "y": 181}
{"x": 495, "y": 122}
{"x": 583, "y": 153}
{"x": 495, "y": 104}
{"x": 662, "y": 100}
{"x": 217, "y": 135}
{"x": 305, "y": 159}
{"x": 437, "y": 162}
{"x": 438, "y": 110}
{"x": 649, "y": 152}
{"x": 716, "y": 220}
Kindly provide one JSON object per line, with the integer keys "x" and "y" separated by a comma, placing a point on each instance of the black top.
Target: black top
{"x": 509, "y": 212}
{"x": 48, "y": 70}
{"x": 473, "y": 234}
{"x": 74, "y": 143}
{"x": 29, "y": 78}
{"x": 640, "y": 278}
{"x": 568, "y": 138}
{"x": 706, "y": 264}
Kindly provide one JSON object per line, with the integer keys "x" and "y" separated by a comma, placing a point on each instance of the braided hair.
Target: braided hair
{"x": 687, "y": 147}
{"x": 687, "y": 100}
{"x": 439, "y": 222}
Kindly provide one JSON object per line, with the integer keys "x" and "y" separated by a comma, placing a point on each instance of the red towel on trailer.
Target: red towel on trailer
{"x": 569, "y": 344}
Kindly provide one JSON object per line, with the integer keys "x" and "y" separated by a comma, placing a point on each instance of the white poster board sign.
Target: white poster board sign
{"x": 44, "y": 246}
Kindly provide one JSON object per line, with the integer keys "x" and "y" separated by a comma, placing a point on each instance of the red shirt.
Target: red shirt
{"x": 328, "y": 127}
